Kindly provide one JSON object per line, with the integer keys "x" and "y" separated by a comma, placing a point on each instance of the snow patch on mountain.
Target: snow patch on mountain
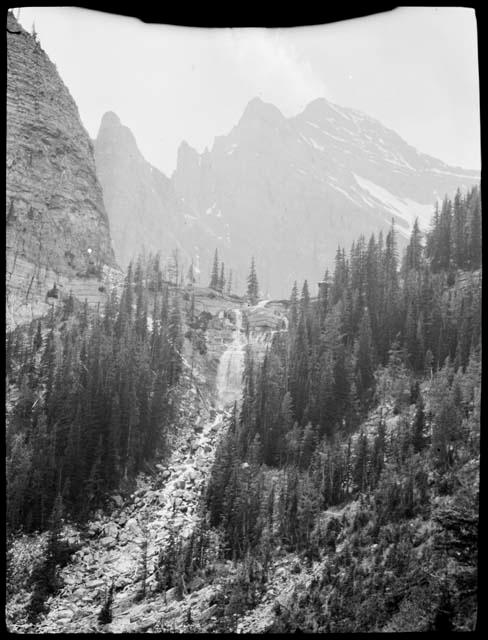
{"x": 405, "y": 208}
{"x": 450, "y": 173}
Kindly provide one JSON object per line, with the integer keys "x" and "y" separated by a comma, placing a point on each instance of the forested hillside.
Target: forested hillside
{"x": 90, "y": 394}
{"x": 357, "y": 444}
{"x": 343, "y": 494}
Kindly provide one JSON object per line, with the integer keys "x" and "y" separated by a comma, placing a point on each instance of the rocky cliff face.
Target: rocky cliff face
{"x": 286, "y": 190}
{"x": 144, "y": 210}
{"x": 57, "y": 227}
{"x": 142, "y": 206}
{"x": 289, "y": 190}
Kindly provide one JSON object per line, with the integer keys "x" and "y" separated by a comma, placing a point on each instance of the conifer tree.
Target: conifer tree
{"x": 474, "y": 222}
{"x": 38, "y": 337}
{"x": 364, "y": 364}
{"x": 418, "y": 437}
{"x": 360, "y": 473}
{"x": 414, "y": 250}
{"x": 294, "y": 308}
{"x": 191, "y": 275}
{"x": 175, "y": 339}
{"x": 214, "y": 278}
{"x": 229, "y": 283}
{"x": 105, "y": 615}
{"x": 252, "y": 284}
{"x": 221, "y": 283}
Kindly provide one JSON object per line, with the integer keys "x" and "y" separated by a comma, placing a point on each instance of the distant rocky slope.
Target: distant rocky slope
{"x": 286, "y": 190}
{"x": 289, "y": 190}
{"x": 141, "y": 202}
{"x": 57, "y": 227}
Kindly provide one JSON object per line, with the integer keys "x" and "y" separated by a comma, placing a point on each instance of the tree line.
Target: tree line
{"x": 94, "y": 397}
{"x": 222, "y": 283}
{"x": 379, "y": 331}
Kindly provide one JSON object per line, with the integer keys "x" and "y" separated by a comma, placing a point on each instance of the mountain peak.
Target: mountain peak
{"x": 257, "y": 109}
{"x": 110, "y": 119}
{"x": 318, "y": 103}
{"x": 185, "y": 150}
{"x": 322, "y": 108}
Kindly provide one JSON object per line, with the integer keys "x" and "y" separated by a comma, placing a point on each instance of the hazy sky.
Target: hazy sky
{"x": 414, "y": 69}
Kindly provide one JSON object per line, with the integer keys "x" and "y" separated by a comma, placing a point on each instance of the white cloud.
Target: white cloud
{"x": 168, "y": 83}
{"x": 273, "y": 68}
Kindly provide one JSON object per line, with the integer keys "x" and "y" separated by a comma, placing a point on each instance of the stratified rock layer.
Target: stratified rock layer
{"x": 57, "y": 227}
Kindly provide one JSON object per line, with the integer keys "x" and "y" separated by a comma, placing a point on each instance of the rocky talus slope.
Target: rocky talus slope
{"x": 163, "y": 506}
{"x": 57, "y": 227}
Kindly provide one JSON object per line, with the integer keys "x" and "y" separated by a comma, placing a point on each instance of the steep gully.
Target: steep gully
{"x": 163, "y": 506}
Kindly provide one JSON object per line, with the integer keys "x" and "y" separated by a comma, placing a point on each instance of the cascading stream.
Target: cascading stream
{"x": 229, "y": 372}
{"x": 231, "y": 364}
{"x": 163, "y": 507}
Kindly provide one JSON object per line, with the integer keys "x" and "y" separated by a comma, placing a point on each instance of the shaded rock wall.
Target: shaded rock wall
{"x": 57, "y": 227}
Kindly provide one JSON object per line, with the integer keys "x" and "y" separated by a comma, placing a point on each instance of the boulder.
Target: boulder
{"x": 94, "y": 528}
{"x": 122, "y": 581}
{"x": 108, "y": 541}
{"x": 173, "y": 595}
{"x": 63, "y": 614}
{"x": 196, "y": 583}
{"x": 147, "y": 623}
{"x": 93, "y": 584}
{"x": 211, "y": 611}
{"x": 118, "y": 500}
{"x": 110, "y": 529}
{"x": 132, "y": 526}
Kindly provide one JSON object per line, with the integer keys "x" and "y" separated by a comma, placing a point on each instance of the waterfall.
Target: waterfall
{"x": 229, "y": 372}
{"x": 231, "y": 365}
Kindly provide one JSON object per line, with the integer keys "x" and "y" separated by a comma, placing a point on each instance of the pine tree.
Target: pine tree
{"x": 293, "y": 314}
{"x": 141, "y": 594}
{"x": 459, "y": 231}
{"x": 418, "y": 437}
{"x": 229, "y": 283}
{"x": 175, "y": 339}
{"x": 191, "y": 275}
{"x": 221, "y": 283}
{"x": 252, "y": 284}
{"x": 414, "y": 250}
{"x": 214, "y": 278}
{"x": 360, "y": 473}
{"x": 38, "y": 338}
{"x": 105, "y": 615}
{"x": 364, "y": 363}
{"x": 474, "y": 222}
{"x": 323, "y": 300}
{"x": 378, "y": 454}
